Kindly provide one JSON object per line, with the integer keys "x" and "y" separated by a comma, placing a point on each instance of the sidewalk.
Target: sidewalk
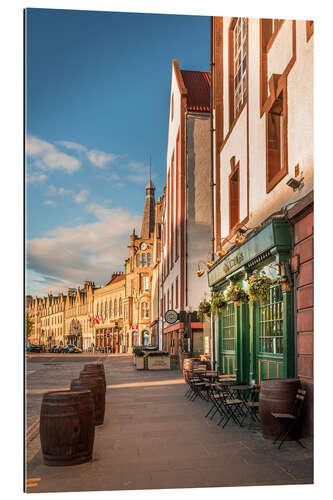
{"x": 153, "y": 437}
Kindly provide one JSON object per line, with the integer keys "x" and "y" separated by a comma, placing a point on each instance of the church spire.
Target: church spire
{"x": 148, "y": 220}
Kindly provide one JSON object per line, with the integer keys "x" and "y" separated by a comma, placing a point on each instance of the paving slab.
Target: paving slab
{"x": 154, "y": 438}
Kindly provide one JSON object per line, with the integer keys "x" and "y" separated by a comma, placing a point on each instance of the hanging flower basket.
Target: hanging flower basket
{"x": 217, "y": 303}
{"x": 236, "y": 294}
{"x": 259, "y": 286}
{"x": 204, "y": 309}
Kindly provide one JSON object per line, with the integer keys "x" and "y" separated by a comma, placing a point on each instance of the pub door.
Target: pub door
{"x": 227, "y": 339}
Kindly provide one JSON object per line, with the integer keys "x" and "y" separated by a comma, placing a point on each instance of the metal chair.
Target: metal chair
{"x": 288, "y": 421}
{"x": 232, "y": 407}
{"x": 253, "y": 402}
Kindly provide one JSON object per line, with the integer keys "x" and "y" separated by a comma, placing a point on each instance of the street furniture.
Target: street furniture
{"x": 67, "y": 427}
{"x": 288, "y": 421}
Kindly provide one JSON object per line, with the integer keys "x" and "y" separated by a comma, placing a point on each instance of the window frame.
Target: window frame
{"x": 271, "y": 182}
{"x": 233, "y": 114}
{"x": 235, "y": 171}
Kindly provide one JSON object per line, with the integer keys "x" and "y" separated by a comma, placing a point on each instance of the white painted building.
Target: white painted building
{"x": 187, "y": 215}
{"x": 262, "y": 99}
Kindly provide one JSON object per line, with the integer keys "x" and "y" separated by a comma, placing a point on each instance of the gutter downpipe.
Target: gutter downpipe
{"x": 294, "y": 295}
{"x": 212, "y": 142}
{"x": 186, "y": 209}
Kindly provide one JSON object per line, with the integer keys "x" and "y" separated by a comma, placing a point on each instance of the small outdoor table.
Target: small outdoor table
{"x": 243, "y": 391}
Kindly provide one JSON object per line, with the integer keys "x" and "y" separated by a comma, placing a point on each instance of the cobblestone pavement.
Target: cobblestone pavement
{"x": 153, "y": 437}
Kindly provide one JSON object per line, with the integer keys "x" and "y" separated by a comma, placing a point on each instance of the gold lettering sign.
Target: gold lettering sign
{"x": 230, "y": 263}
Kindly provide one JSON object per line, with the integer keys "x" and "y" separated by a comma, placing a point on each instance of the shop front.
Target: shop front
{"x": 254, "y": 340}
{"x": 75, "y": 333}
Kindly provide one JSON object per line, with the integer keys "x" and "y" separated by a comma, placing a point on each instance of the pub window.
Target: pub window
{"x": 229, "y": 328}
{"x": 276, "y": 164}
{"x": 234, "y": 198}
{"x": 271, "y": 316}
{"x": 237, "y": 66}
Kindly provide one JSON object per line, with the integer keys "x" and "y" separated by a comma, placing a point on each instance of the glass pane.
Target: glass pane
{"x": 270, "y": 322}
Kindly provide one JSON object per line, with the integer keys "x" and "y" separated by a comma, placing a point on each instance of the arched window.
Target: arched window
{"x": 144, "y": 310}
{"x": 120, "y": 307}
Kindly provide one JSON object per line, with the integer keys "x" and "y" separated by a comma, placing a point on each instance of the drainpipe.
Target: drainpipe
{"x": 212, "y": 142}
{"x": 294, "y": 275}
{"x": 186, "y": 209}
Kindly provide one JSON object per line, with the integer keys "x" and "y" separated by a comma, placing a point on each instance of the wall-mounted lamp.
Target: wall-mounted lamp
{"x": 222, "y": 252}
{"x": 240, "y": 238}
{"x": 210, "y": 264}
{"x": 295, "y": 184}
{"x": 200, "y": 272}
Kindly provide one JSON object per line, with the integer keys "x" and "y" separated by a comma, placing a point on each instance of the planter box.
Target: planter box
{"x": 158, "y": 363}
{"x": 140, "y": 363}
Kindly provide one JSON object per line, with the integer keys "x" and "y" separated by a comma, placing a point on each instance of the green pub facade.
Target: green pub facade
{"x": 255, "y": 340}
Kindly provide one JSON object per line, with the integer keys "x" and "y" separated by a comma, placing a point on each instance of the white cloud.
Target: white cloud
{"x": 36, "y": 178}
{"x": 99, "y": 158}
{"x": 72, "y": 145}
{"x": 61, "y": 191}
{"x": 81, "y": 196}
{"x": 51, "y": 203}
{"x": 47, "y": 157}
{"x": 87, "y": 251}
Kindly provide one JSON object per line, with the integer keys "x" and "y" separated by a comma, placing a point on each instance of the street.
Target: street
{"x": 153, "y": 437}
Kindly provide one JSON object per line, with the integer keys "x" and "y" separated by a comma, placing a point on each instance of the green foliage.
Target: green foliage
{"x": 236, "y": 294}
{"x": 259, "y": 285}
{"x": 217, "y": 303}
{"x": 204, "y": 309}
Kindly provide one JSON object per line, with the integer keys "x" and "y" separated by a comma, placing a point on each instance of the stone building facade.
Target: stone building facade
{"x": 138, "y": 272}
{"x": 107, "y": 320}
{"x": 79, "y": 308}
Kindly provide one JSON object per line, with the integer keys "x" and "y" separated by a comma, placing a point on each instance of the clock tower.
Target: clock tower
{"x": 138, "y": 271}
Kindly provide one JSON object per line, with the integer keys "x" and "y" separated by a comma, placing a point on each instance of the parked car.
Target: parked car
{"x": 72, "y": 349}
{"x": 36, "y": 348}
{"x": 57, "y": 348}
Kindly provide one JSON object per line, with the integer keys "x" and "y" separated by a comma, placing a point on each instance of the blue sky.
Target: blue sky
{"x": 97, "y": 105}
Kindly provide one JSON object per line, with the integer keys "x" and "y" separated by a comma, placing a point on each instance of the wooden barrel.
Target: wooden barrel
{"x": 78, "y": 385}
{"x": 96, "y": 368}
{"x": 99, "y": 394}
{"x": 276, "y": 395}
{"x": 67, "y": 427}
